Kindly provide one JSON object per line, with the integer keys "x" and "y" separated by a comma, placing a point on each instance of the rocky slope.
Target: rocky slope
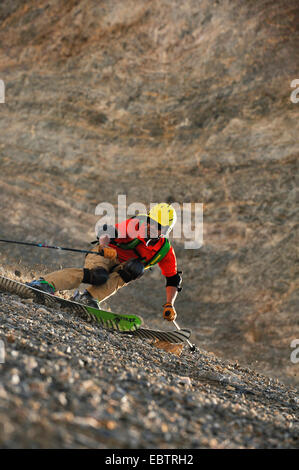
{"x": 162, "y": 100}
{"x": 66, "y": 383}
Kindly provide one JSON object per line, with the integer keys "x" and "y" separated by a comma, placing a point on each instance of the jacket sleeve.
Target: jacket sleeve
{"x": 168, "y": 265}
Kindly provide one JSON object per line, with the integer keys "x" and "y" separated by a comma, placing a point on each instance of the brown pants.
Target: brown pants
{"x": 70, "y": 278}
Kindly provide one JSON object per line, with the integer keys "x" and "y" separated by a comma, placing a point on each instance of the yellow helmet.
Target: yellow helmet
{"x": 165, "y": 215}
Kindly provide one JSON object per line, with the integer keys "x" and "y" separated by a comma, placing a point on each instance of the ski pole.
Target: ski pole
{"x": 42, "y": 245}
{"x": 192, "y": 346}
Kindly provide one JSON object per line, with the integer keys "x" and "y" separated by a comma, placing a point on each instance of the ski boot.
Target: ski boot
{"x": 42, "y": 284}
{"x": 85, "y": 298}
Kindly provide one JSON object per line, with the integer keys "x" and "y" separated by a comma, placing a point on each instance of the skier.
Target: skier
{"x": 123, "y": 259}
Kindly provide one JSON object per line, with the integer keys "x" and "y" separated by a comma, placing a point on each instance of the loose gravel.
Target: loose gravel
{"x": 66, "y": 383}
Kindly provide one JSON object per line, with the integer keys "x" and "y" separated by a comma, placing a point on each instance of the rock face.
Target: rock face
{"x": 162, "y": 101}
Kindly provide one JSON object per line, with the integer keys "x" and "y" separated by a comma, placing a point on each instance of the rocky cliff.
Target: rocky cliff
{"x": 162, "y": 101}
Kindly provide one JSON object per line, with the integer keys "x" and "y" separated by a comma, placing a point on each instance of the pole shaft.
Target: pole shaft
{"x": 178, "y": 328}
{"x": 42, "y": 245}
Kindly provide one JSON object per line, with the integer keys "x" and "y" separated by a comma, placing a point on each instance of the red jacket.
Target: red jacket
{"x": 168, "y": 264}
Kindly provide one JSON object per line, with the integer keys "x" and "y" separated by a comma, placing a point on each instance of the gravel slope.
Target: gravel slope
{"x": 69, "y": 384}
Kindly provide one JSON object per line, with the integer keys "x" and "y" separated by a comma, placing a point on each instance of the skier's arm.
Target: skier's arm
{"x": 173, "y": 284}
{"x": 105, "y": 234}
{"x": 121, "y": 233}
{"x": 104, "y": 240}
{"x": 171, "y": 293}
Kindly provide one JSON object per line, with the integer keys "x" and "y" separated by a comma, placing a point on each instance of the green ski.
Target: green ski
{"x": 126, "y": 324}
{"x": 109, "y": 320}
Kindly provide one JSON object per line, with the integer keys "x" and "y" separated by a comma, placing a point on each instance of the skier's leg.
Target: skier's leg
{"x": 95, "y": 261}
{"x": 70, "y": 278}
{"x": 65, "y": 279}
{"x": 121, "y": 275}
{"x": 113, "y": 283}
